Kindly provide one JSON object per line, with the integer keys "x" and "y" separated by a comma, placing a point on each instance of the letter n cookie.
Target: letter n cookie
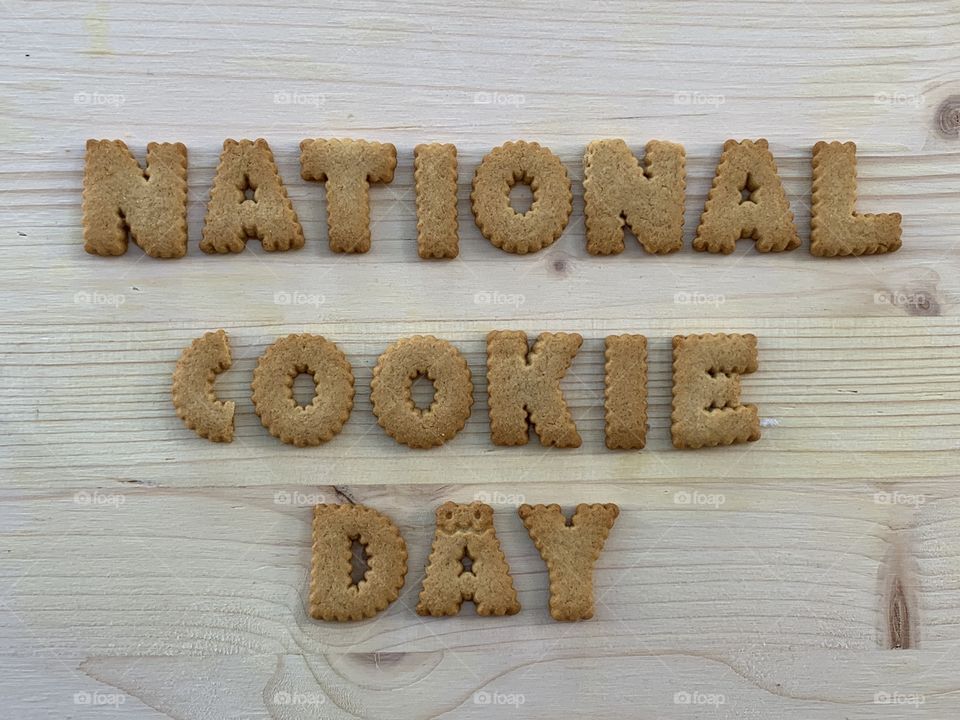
{"x": 706, "y": 390}
{"x": 120, "y": 197}
{"x": 648, "y": 198}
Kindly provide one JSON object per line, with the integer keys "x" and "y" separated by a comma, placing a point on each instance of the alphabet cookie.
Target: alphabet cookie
{"x": 570, "y": 551}
{"x": 836, "y": 228}
{"x": 347, "y": 167}
{"x": 232, "y": 217}
{"x": 273, "y": 389}
{"x": 120, "y": 197}
{"x": 706, "y": 390}
{"x": 524, "y": 385}
{"x": 390, "y": 391}
{"x": 649, "y": 198}
{"x": 333, "y": 595}
{"x": 547, "y": 217}
{"x": 194, "y": 399}
{"x": 625, "y": 392}
{"x": 466, "y": 532}
{"x": 747, "y": 200}
{"x": 435, "y": 178}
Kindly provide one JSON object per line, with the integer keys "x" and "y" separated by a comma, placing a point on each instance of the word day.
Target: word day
{"x": 466, "y": 562}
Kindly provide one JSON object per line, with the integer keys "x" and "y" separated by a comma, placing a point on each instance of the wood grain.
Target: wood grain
{"x": 173, "y": 584}
{"x": 774, "y": 596}
{"x": 827, "y": 410}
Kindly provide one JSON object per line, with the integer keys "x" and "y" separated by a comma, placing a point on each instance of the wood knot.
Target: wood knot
{"x": 948, "y": 117}
{"x": 344, "y": 493}
{"x": 920, "y": 303}
{"x": 925, "y": 306}
{"x": 898, "y": 618}
{"x": 897, "y": 573}
{"x": 560, "y": 265}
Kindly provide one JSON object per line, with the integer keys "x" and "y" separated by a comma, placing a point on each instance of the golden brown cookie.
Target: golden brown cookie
{"x": 522, "y": 385}
{"x": 435, "y": 177}
{"x": 273, "y": 389}
{"x": 466, "y": 532}
{"x": 268, "y": 215}
{"x": 706, "y": 390}
{"x": 649, "y": 198}
{"x": 625, "y": 392}
{"x": 570, "y": 552}
{"x": 547, "y": 217}
{"x": 747, "y": 201}
{"x": 836, "y": 228}
{"x": 120, "y": 197}
{"x": 194, "y": 398}
{"x": 347, "y": 167}
{"x": 392, "y": 399}
{"x": 333, "y": 595}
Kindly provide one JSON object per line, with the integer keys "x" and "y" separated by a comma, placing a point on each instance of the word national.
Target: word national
{"x": 523, "y": 385}
{"x": 248, "y": 199}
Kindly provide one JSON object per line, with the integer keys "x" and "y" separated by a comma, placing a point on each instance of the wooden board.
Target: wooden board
{"x": 164, "y": 576}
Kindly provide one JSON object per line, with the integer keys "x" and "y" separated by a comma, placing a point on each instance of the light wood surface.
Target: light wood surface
{"x": 813, "y": 574}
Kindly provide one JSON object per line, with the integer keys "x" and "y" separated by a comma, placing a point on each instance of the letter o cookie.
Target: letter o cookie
{"x": 499, "y": 171}
{"x": 390, "y": 391}
{"x": 273, "y": 389}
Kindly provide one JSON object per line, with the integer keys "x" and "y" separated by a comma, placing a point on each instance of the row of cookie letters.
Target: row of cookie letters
{"x": 248, "y": 199}
{"x": 465, "y": 563}
{"x": 523, "y": 385}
